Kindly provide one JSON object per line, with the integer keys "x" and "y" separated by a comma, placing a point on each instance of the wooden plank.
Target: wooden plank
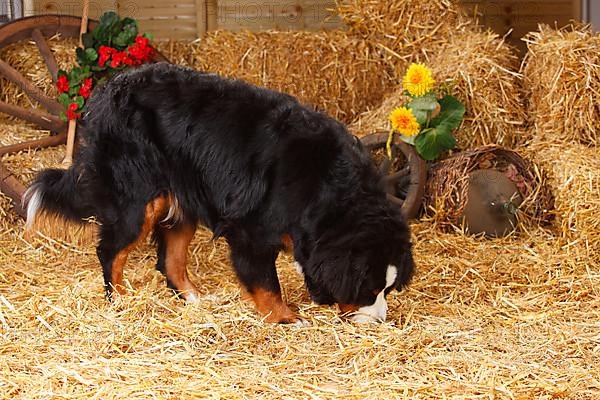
{"x": 69, "y": 7}
{"x": 46, "y": 53}
{"x": 211, "y": 15}
{"x": 42, "y": 143}
{"x": 156, "y": 25}
{"x": 175, "y": 35}
{"x": 11, "y": 187}
{"x": 32, "y": 92}
{"x": 200, "y": 18}
{"x": 527, "y": 9}
{"x": 166, "y": 12}
{"x": 133, "y": 5}
{"x": 299, "y": 14}
{"x": 41, "y": 119}
{"x": 280, "y": 23}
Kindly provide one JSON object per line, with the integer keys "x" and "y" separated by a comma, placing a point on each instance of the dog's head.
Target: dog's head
{"x": 361, "y": 260}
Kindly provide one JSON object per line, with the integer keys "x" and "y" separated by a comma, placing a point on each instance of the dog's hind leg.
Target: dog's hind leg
{"x": 172, "y": 257}
{"x": 117, "y": 240}
{"x": 256, "y": 271}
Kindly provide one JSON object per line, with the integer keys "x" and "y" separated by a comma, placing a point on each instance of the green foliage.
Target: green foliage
{"x": 112, "y": 31}
{"x": 437, "y": 138}
{"x": 113, "y": 38}
{"x": 422, "y": 107}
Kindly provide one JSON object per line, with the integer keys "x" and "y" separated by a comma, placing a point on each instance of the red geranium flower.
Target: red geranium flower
{"x": 72, "y": 111}
{"x": 86, "y": 88}
{"x": 118, "y": 58}
{"x": 105, "y": 53}
{"x": 62, "y": 84}
{"x": 141, "y": 51}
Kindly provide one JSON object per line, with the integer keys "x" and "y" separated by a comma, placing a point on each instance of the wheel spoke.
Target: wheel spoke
{"x": 41, "y": 119}
{"x": 48, "y": 141}
{"x": 399, "y": 202}
{"x": 34, "y": 93}
{"x": 397, "y": 175}
{"x": 45, "y": 52}
{"x": 10, "y": 186}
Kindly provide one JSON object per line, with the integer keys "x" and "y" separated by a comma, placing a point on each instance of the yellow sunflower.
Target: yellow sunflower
{"x": 404, "y": 122}
{"x": 418, "y": 80}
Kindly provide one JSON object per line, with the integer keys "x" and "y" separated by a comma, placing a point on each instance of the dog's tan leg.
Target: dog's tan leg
{"x": 176, "y": 242}
{"x": 113, "y": 265}
{"x": 271, "y": 305}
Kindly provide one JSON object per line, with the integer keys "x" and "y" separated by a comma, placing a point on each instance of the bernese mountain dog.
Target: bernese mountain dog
{"x": 164, "y": 148}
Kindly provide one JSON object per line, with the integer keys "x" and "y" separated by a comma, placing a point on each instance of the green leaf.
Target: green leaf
{"x": 430, "y": 143}
{"x": 79, "y": 100}
{"x": 73, "y": 90}
{"x": 91, "y": 55}
{"x": 63, "y": 116}
{"x": 451, "y": 114}
{"x": 81, "y": 59}
{"x": 108, "y": 19}
{"x": 64, "y": 99}
{"x": 87, "y": 40}
{"x": 148, "y": 35}
{"x": 126, "y": 36}
{"x": 408, "y": 139}
{"x": 422, "y": 107}
{"x": 75, "y": 77}
{"x": 86, "y": 57}
{"x": 62, "y": 72}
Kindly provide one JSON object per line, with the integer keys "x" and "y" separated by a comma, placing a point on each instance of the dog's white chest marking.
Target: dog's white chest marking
{"x": 378, "y": 310}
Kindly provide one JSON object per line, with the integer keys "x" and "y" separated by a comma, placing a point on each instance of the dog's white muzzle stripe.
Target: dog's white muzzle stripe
{"x": 378, "y": 310}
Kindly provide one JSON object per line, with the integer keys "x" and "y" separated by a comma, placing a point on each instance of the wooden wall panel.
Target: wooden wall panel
{"x": 522, "y": 16}
{"x": 69, "y": 7}
{"x": 236, "y": 15}
{"x": 189, "y": 19}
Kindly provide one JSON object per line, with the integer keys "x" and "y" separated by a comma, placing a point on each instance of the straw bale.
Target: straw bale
{"x": 480, "y": 70}
{"x": 447, "y": 186}
{"x": 405, "y": 29}
{"x": 562, "y": 78}
{"x": 337, "y": 73}
{"x": 574, "y": 171}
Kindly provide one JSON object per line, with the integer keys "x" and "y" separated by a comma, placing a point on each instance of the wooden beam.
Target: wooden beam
{"x": 46, "y": 53}
{"x": 201, "y": 16}
{"x": 33, "y": 92}
{"x": 49, "y": 141}
{"x": 11, "y": 187}
{"x": 41, "y": 119}
{"x": 212, "y": 22}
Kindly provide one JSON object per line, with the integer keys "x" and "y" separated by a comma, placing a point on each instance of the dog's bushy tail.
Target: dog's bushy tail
{"x": 57, "y": 192}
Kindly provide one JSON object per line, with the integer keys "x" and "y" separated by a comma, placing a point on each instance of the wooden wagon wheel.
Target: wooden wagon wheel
{"x": 404, "y": 175}
{"x": 36, "y": 28}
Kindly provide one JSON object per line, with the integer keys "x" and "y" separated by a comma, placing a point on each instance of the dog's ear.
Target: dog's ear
{"x": 340, "y": 270}
{"x": 405, "y": 269}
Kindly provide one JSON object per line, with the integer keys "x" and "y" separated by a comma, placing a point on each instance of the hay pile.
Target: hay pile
{"x": 574, "y": 172}
{"x": 480, "y": 69}
{"x": 505, "y": 318}
{"x": 562, "y": 76}
{"x": 330, "y": 70}
{"x": 407, "y": 29}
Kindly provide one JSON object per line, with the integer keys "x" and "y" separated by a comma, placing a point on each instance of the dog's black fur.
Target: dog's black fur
{"x": 249, "y": 163}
